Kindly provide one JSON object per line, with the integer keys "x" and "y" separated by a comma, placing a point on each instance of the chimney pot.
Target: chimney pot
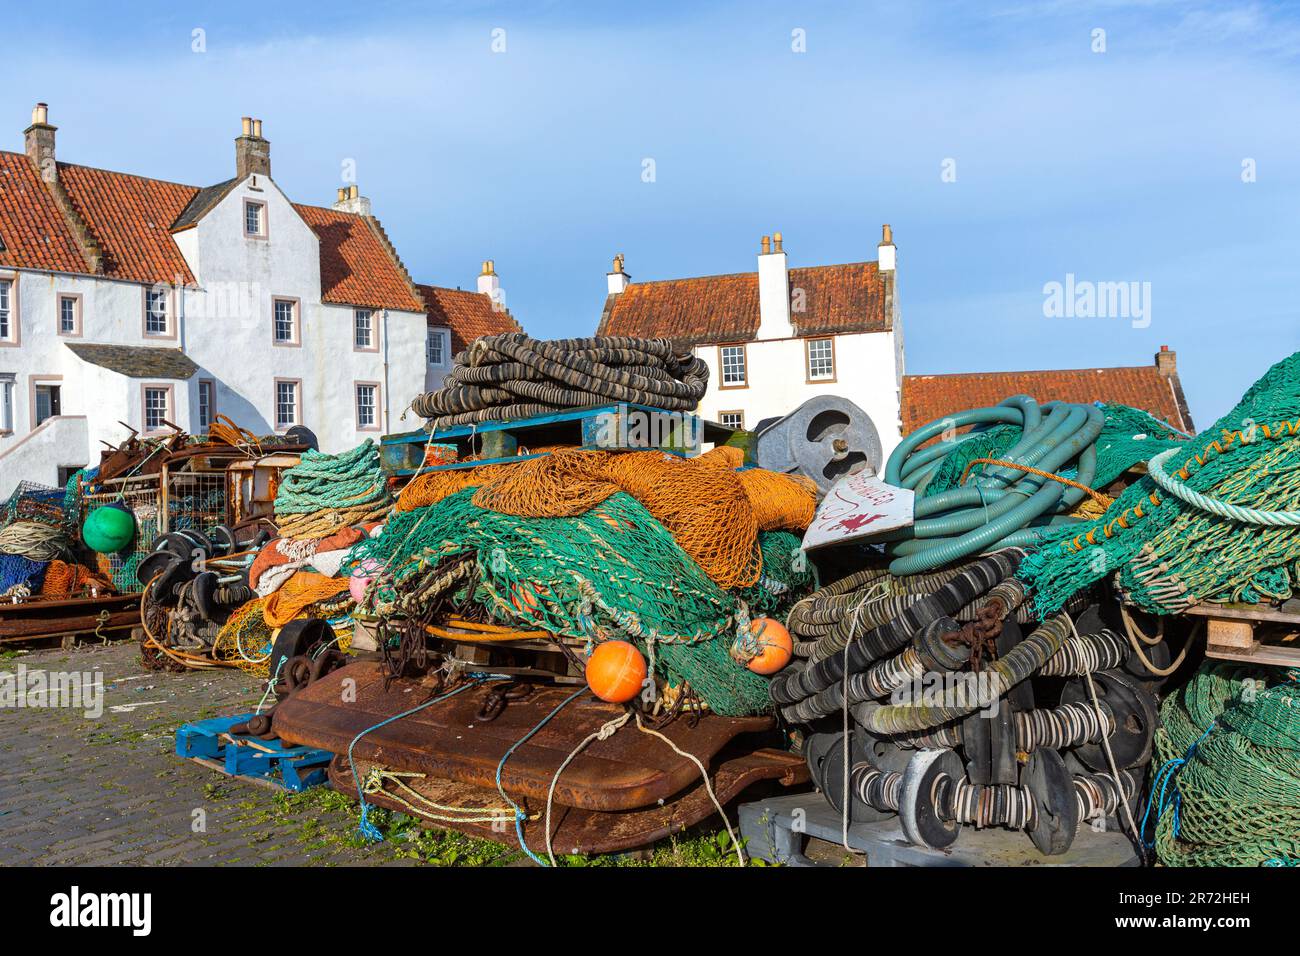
{"x": 247, "y": 124}
{"x": 342, "y": 195}
{"x": 257, "y": 128}
{"x": 776, "y": 242}
{"x": 766, "y": 245}
{"x": 38, "y": 140}
{"x": 887, "y": 235}
{"x": 354, "y": 191}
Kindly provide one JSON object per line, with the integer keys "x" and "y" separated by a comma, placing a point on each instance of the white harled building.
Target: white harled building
{"x": 128, "y": 302}
{"x": 776, "y": 337}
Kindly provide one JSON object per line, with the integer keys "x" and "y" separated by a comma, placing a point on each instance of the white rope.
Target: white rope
{"x": 740, "y": 855}
{"x": 604, "y": 733}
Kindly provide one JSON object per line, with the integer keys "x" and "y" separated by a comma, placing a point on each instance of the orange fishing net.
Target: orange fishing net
{"x": 297, "y": 594}
{"x": 68, "y": 580}
{"x": 712, "y": 510}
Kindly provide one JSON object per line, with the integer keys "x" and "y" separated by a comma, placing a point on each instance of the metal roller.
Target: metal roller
{"x": 825, "y": 438}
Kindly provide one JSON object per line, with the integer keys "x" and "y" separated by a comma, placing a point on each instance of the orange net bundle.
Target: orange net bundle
{"x": 64, "y": 580}
{"x": 301, "y": 591}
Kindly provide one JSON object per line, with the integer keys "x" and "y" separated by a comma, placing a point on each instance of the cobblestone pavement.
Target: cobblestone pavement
{"x": 111, "y": 790}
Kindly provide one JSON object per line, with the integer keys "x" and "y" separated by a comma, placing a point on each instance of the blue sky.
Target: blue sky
{"x": 1123, "y": 165}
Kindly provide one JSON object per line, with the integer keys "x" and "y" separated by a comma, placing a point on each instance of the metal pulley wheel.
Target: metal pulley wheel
{"x": 825, "y": 438}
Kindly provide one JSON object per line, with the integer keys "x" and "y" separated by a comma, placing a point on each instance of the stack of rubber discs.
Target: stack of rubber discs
{"x": 1036, "y": 761}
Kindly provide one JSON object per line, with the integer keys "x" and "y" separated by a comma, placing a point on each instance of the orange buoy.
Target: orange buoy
{"x": 773, "y": 644}
{"x": 615, "y": 671}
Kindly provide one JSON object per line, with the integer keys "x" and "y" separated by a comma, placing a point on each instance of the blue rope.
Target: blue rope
{"x": 1163, "y": 779}
{"x": 368, "y": 829}
{"x": 520, "y": 816}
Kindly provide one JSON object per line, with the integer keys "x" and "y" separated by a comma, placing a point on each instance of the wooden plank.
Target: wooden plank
{"x": 1288, "y": 613}
{"x": 1270, "y": 654}
{"x": 1230, "y": 634}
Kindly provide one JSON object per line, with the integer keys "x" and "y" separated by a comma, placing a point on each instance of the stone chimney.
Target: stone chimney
{"x": 39, "y": 140}
{"x": 1166, "y": 361}
{"x": 618, "y": 280}
{"x": 351, "y": 200}
{"x": 252, "y": 152}
{"x": 773, "y": 290}
{"x": 886, "y": 251}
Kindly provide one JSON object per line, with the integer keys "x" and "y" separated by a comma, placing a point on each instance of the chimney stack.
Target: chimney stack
{"x": 39, "y": 141}
{"x": 618, "y": 280}
{"x": 773, "y": 291}
{"x": 351, "y": 200}
{"x": 886, "y": 251}
{"x": 252, "y": 152}
{"x": 1166, "y": 361}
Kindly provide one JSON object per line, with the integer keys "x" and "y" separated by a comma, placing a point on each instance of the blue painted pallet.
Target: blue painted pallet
{"x": 609, "y": 427}
{"x": 272, "y": 762}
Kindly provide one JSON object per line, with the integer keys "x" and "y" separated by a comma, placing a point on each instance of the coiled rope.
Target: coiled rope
{"x": 509, "y": 376}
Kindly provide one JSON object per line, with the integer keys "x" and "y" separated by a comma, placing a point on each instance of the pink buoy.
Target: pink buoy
{"x": 361, "y": 579}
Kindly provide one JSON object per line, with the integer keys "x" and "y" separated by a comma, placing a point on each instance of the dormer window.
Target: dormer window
{"x": 254, "y": 219}
{"x": 436, "y": 347}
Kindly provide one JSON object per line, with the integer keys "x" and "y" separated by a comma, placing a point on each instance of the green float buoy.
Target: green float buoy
{"x": 109, "y": 529}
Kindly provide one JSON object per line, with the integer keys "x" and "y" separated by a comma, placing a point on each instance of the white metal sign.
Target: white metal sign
{"x": 857, "y": 506}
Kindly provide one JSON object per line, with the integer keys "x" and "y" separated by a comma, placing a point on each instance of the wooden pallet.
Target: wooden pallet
{"x": 269, "y": 763}
{"x": 609, "y": 427}
{"x": 1252, "y": 633}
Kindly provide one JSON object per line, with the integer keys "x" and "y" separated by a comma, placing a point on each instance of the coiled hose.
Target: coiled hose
{"x": 508, "y": 376}
{"x": 1002, "y": 506}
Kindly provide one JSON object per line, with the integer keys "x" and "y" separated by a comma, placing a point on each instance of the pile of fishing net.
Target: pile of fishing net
{"x": 511, "y": 376}
{"x": 327, "y": 492}
{"x": 588, "y": 560}
{"x": 714, "y": 511}
{"x": 1227, "y": 788}
{"x": 34, "y": 531}
{"x": 1021, "y": 471}
{"x": 1215, "y": 519}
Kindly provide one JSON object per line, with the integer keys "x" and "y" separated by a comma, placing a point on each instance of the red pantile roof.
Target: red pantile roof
{"x": 928, "y": 397}
{"x": 32, "y": 230}
{"x": 469, "y": 315}
{"x": 356, "y": 266}
{"x": 711, "y": 309}
{"x": 130, "y": 217}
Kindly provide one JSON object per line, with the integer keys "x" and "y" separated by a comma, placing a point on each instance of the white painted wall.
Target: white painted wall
{"x": 225, "y": 326}
{"x": 865, "y": 373}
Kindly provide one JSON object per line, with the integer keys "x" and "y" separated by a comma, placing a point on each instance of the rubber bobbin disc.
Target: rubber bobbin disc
{"x": 204, "y": 591}
{"x": 297, "y": 638}
{"x": 223, "y": 540}
{"x": 1056, "y": 811}
{"x": 918, "y": 808}
{"x": 815, "y": 748}
{"x": 154, "y": 564}
{"x": 1135, "y": 718}
{"x": 163, "y": 589}
{"x": 881, "y": 752}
